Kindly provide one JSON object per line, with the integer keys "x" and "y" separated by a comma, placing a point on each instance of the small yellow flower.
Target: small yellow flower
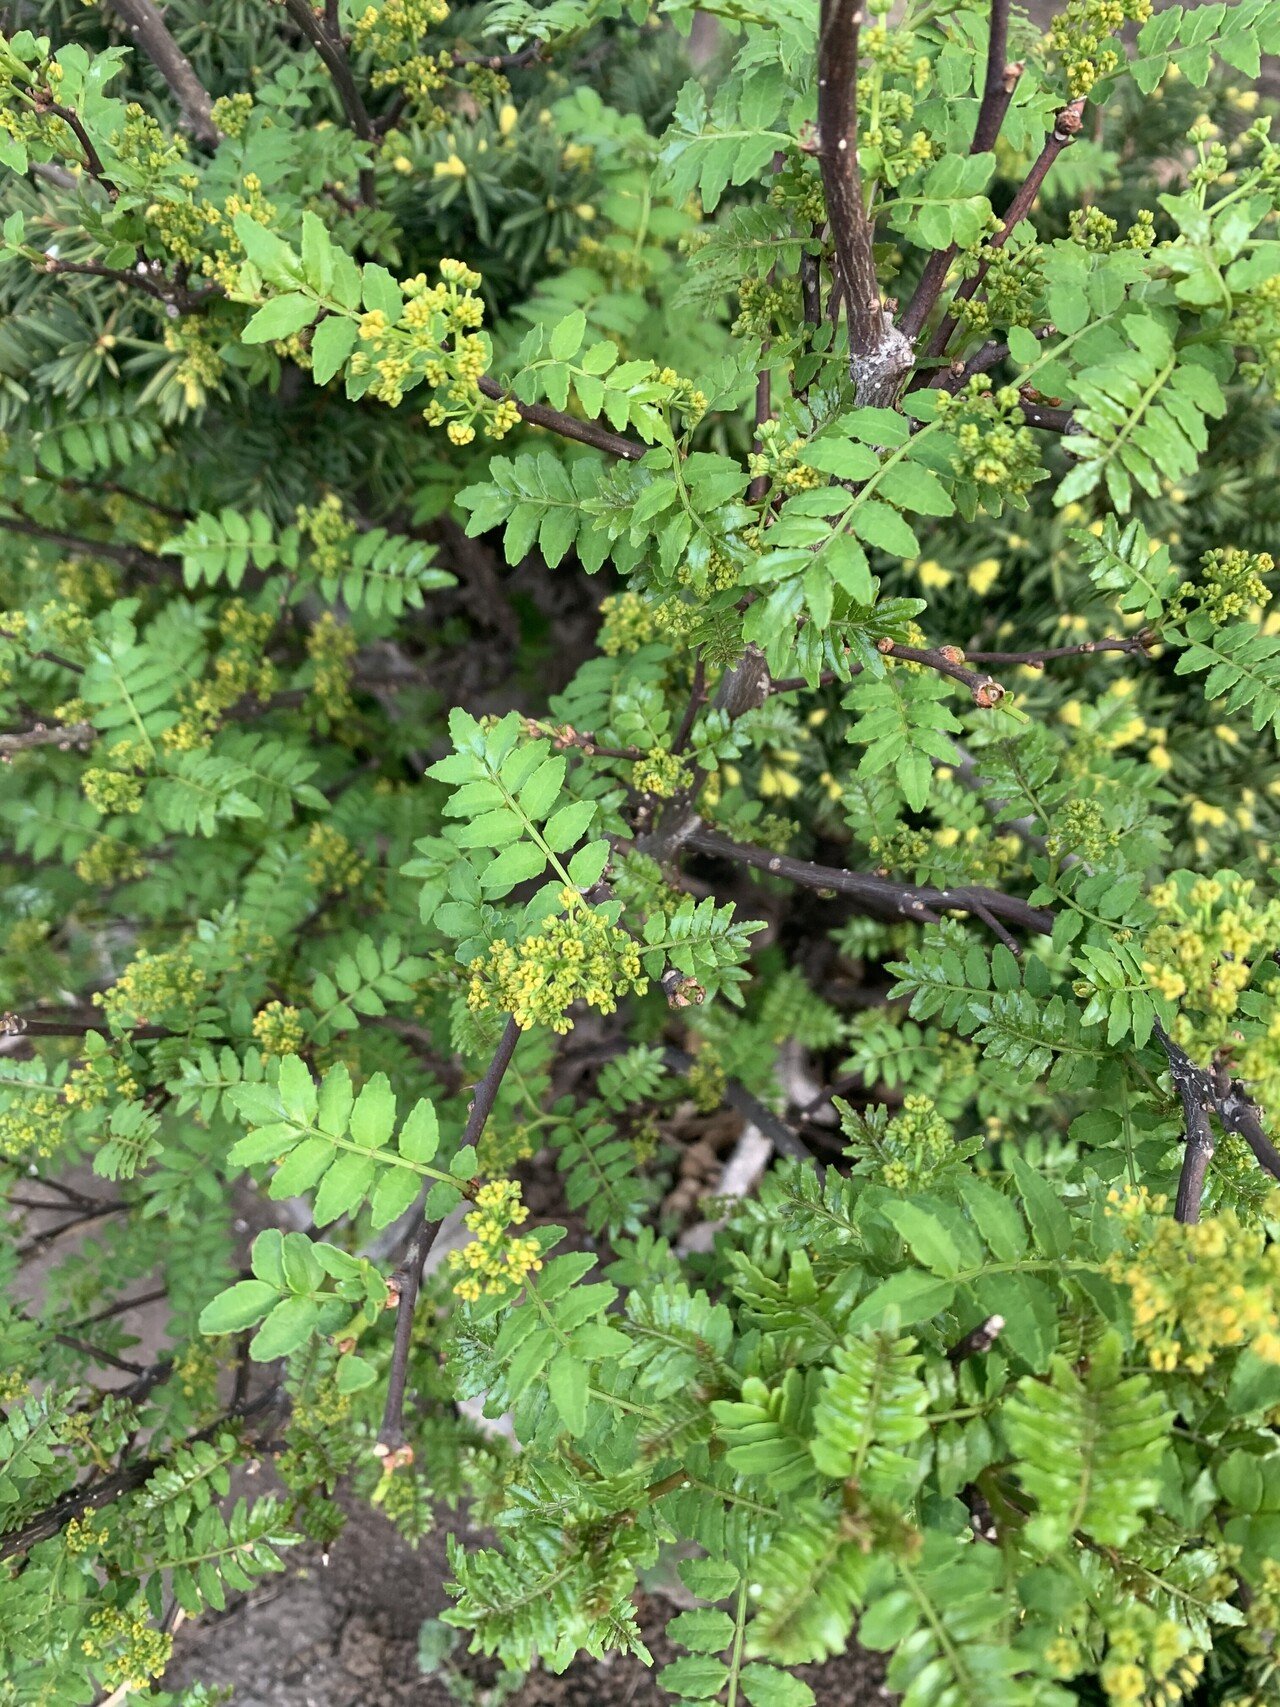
{"x": 983, "y": 576}
{"x": 932, "y": 575}
{"x": 450, "y": 168}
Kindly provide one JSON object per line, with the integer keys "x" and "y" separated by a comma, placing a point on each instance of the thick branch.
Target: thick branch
{"x": 568, "y": 426}
{"x": 878, "y": 353}
{"x": 45, "y": 735}
{"x": 1001, "y": 80}
{"x": 882, "y": 897}
{"x": 391, "y": 1445}
{"x": 146, "y": 25}
{"x": 1192, "y": 1087}
{"x": 1201, "y": 1090}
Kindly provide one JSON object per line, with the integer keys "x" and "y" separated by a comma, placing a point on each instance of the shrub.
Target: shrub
{"x": 907, "y": 383}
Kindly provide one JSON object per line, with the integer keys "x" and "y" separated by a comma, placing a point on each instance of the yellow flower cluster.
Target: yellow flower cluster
{"x": 278, "y": 1029}
{"x": 31, "y": 1125}
{"x": 239, "y": 670}
{"x": 332, "y": 863}
{"x": 1201, "y": 953}
{"x": 99, "y": 1080}
{"x": 231, "y": 114}
{"x": 435, "y": 341}
{"x": 1149, "y": 1660}
{"x": 1231, "y": 585}
{"x": 108, "y": 860}
{"x": 630, "y": 622}
{"x": 198, "y": 368}
{"x": 994, "y": 447}
{"x": 493, "y": 1263}
{"x": 1082, "y": 34}
{"x": 80, "y": 1535}
{"x": 660, "y": 773}
{"x": 706, "y": 1079}
{"x": 132, "y": 1649}
{"x": 330, "y": 531}
{"x": 1197, "y": 1291}
{"x": 578, "y": 957}
{"x": 782, "y": 461}
{"x": 916, "y": 1143}
{"x": 391, "y": 33}
{"x": 331, "y": 645}
{"x": 153, "y": 987}
{"x": 116, "y": 787}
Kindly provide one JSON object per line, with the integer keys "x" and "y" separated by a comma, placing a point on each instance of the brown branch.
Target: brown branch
{"x": 69, "y": 1023}
{"x": 1201, "y": 1090}
{"x": 1142, "y": 642}
{"x": 328, "y": 43}
{"x": 568, "y": 426}
{"x": 116, "y": 490}
{"x": 1065, "y": 130}
{"x": 881, "y": 897}
{"x": 948, "y": 661}
{"x": 563, "y": 735}
{"x": 391, "y": 1445}
{"x": 879, "y": 355}
{"x": 127, "y": 556}
{"x": 1001, "y": 80}
{"x": 43, "y": 102}
{"x": 43, "y": 735}
{"x": 147, "y": 276}
{"x": 145, "y": 23}
{"x": 37, "y": 1242}
{"x": 94, "y": 1494}
{"x": 697, "y": 699}
{"x": 1192, "y": 1086}
{"x": 1048, "y": 418}
{"x": 738, "y": 1097}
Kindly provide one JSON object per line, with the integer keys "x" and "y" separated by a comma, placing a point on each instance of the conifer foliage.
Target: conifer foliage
{"x": 897, "y": 390}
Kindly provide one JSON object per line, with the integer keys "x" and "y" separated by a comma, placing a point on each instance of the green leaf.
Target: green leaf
{"x": 331, "y": 343}
{"x": 566, "y": 338}
{"x": 279, "y": 318}
{"x": 290, "y": 1325}
{"x": 567, "y": 1387}
{"x": 420, "y": 1134}
{"x": 238, "y": 1307}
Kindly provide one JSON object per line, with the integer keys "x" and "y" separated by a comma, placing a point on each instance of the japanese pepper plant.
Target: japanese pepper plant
{"x": 560, "y": 574}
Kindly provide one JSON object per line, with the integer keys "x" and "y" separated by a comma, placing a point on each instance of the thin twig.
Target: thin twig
{"x": 407, "y": 1279}
{"x": 568, "y": 426}
{"x": 881, "y": 897}
{"x": 775, "y": 1129}
{"x": 328, "y": 43}
{"x": 127, "y": 556}
{"x": 94, "y": 1494}
{"x": 1001, "y": 80}
{"x": 1066, "y": 128}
